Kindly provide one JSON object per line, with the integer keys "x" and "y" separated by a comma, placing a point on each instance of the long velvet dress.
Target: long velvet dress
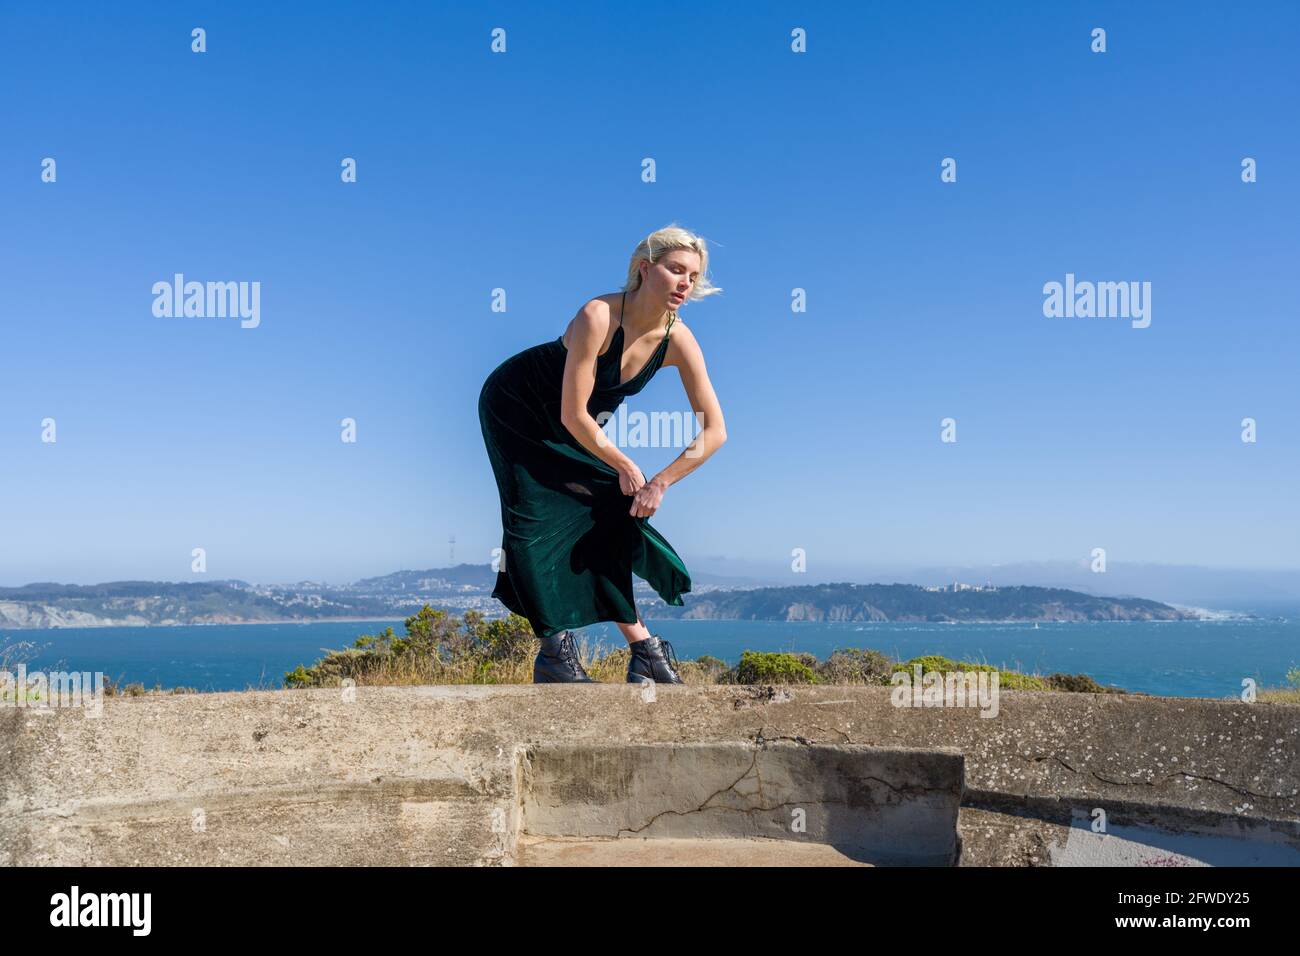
{"x": 569, "y": 545}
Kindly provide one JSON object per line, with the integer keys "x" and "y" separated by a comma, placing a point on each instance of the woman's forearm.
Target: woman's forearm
{"x": 593, "y": 438}
{"x": 709, "y": 440}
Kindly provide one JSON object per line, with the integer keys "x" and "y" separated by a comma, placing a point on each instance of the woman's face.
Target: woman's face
{"x": 671, "y": 279}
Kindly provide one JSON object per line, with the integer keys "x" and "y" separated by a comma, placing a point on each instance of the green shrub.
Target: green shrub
{"x": 1077, "y": 683}
{"x": 936, "y": 662}
{"x": 437, "y": 648}
{"x": 758, "y": 667}
{"x": 853, "y": 665}
{"x": 1007, "y": 680}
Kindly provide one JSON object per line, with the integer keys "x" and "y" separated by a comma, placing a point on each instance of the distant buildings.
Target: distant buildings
{"x": 958, "y": 586}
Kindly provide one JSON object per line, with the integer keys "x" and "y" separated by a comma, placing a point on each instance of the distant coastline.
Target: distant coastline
{"x": 231, "y": 623}
{"x": 397, "y": 597}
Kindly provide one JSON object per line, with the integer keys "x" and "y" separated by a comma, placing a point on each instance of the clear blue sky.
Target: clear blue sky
{"x": 522, "y": 171}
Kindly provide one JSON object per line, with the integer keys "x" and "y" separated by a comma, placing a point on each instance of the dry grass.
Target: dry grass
{"x": 1279, "y": 695}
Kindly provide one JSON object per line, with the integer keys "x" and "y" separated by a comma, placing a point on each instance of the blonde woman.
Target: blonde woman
{"x": 573, "y": 504}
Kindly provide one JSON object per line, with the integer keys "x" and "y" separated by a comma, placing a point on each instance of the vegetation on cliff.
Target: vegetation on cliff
{"x": 439, "y": 648}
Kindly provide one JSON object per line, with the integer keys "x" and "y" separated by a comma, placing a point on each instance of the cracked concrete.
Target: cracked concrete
{"x": 883, "y": 806}
{"x": 428, "y": 775}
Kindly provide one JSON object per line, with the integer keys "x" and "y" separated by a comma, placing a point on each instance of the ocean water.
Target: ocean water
{"x": 1176, "y": 658}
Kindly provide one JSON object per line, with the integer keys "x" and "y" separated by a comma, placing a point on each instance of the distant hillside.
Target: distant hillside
{"x": 910, "y": 602}
{"x": 466, "y": 587}
{"x": 461, "y": 576}
{"x": 141, "y": 603}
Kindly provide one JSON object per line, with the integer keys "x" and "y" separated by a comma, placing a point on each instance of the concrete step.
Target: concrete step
{"x": 784, "y": 802}
{"x": 666, "y": 851}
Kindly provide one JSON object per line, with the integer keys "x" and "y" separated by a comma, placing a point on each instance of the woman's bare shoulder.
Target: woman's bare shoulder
{"x": 596, "y": 316}
{"x": 681, "y": 343}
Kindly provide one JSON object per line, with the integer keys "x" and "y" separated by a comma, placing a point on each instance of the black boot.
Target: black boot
{"x": 650, "y": 663}
{"x": 557, "y": 662}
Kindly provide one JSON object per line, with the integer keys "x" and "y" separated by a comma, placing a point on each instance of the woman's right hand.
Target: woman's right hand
{"x": 630, "y": 478}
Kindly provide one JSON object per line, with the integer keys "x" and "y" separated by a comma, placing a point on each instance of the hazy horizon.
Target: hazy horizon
{"x": 1183, "y": 584}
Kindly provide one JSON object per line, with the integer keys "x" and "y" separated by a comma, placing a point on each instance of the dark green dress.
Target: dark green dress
{"x": 569, "y": 545}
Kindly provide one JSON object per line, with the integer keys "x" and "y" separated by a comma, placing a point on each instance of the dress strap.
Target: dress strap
{"x": 622, "y": 310}
{"x": 670, "y": 325}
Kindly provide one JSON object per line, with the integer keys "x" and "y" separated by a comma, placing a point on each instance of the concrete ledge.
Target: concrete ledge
{"x": 668, "y": 851}
{"x": 869, "y": 804}
{"x": 430, "y": 775}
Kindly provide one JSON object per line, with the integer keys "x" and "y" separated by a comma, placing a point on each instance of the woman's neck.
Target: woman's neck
{"x": 640, "y": 317}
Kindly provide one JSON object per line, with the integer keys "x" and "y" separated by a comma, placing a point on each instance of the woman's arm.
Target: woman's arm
{"x": 689, "y": 359}
{"x": 588, "y": 332}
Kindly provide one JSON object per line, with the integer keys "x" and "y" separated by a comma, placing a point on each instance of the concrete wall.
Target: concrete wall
{"x": 430, "y": 775}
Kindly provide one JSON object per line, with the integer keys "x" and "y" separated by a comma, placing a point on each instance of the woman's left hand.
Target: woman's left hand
{"x": 648, "y": 498}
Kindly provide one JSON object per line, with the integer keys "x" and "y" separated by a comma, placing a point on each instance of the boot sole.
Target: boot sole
{"x": 547, "y": 680}
{"x": 593, "y": 681}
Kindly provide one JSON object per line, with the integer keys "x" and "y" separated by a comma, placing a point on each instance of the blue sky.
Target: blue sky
{"x": 522, "y": 171}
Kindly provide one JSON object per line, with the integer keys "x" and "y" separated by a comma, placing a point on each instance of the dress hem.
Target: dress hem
{"x": 598, "y": 620}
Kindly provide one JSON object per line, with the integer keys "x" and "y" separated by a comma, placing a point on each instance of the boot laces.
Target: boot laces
{"x": 569, "y": 652}
{"x": 669, "y": 653}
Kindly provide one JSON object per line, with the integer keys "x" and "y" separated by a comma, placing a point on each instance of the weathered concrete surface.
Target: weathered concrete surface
{"x": 883, "y": 806}
{"x": 428, "y": 775}
{"x": 670, "y": 851}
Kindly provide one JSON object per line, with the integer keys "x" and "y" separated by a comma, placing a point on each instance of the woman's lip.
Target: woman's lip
{"x": 678, "y": 296}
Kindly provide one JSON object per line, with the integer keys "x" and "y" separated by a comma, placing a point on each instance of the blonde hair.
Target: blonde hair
{"x": 663, "y": 241}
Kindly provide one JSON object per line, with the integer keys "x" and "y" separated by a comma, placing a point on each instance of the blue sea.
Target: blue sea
{"x": 1176, "y": 658}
